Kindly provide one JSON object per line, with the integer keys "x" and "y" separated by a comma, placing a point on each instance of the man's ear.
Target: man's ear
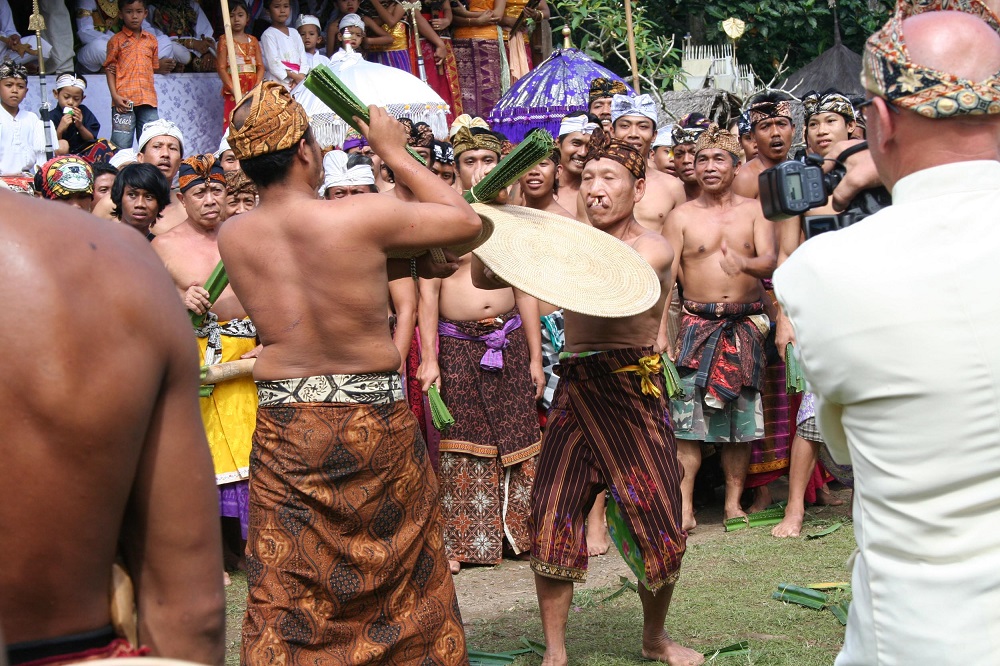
{"x": 640, "y": 189}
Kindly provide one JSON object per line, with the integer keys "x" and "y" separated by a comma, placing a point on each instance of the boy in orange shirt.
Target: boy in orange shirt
{"x": 132, "y": 58}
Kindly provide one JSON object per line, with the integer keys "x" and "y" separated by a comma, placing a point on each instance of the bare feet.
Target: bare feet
{"x": 826, "y": 498}
{"x": 688, "y": 523}
{"x": 761, "y": 499}
{"x": 666, "y": 650}
{"x": 598, "y": 539}
{"x": 225, "y": 579}
{"x": 454, "y": 566}
{"x": 733, "y": 512}
{"x": 791, "y": 526}
{"x": 555, "y": 657}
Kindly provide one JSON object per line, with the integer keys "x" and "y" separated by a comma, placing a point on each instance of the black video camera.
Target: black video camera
{"x": 792, "y": 188}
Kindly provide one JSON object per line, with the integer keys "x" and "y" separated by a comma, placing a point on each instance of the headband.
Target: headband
{"x": 199, "y": 169}
{"x": 65, "y": 176}
{"x": 465, "y": 120}
{"x": 744, "y": 124}
{"x": 275, "y": 122}
{"x": 828, "y": 102}
{"x": 602, "y": 87}
{"x": 159, "y": 127}
{"x": 689, "y": 128}
{"x": 350, "y": 21}
{"x": 238, "y": 182}
{"x": 307, "y": 19}
{"x": 465, "y": 140}
{"x": 13, "y": 70}
{"x": 716, "y": 137}
{"x": 223, "y": 146}
{"x": 602, "y": 146}
{"x": 421, "y": 136}
{"x": 336, "y": 173}
{"x": 353, "y": 139}
{"x": 444, "y": 152}
{"x": 664, "y": 137}
{"x": 572, "y": 124}
{"x": 888, "y": 72}
{"x": 643, "y": 105}
{"x": 122, "y": 157}
{"x": 764, "y": 110}
{"x": 69, "y": 80}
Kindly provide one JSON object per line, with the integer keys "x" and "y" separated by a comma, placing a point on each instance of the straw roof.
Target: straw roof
{"x": 838, "y": 67}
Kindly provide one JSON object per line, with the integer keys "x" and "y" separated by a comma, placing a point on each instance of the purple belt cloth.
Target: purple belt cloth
{"x": 496, "y": 341}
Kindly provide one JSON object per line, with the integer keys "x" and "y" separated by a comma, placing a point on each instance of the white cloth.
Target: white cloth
{"x": 223, "y": 146}
{"x": 22, "y": 142}
{"x": 641, "y": 105}
{"x": 161, "y": 127}
{"x": 896, "y": 319}
{"x": 59, "y": 32}
{"x": 571, "y": 124}
{"x": 308, "y": 19}
{"x": 664, "y": 137}
{"x": 279, "y": 48}
{"x": 8, "y": 29}
{"x": 304, "y": 96}
{"x": 351, "y": 21}
{"x": 336, "y": 173}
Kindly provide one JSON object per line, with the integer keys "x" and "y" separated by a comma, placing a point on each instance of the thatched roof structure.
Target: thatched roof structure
{"x": 838, "y": 67}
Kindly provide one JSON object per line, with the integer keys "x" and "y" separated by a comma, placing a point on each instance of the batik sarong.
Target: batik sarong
{"x": 608, "y": 428}
{"x": 479, "y": 65}
{"x": 553, "y": 339}
{"x": 487, "y": 466}
{"x": 73, "y": 649}
{"x": 345, "y": 560}
{"x": 808, "y": 429}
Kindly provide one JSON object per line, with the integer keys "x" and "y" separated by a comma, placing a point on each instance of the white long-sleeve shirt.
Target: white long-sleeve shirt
{"x": 279, "y": 48}
{"x": 22, "y": 142}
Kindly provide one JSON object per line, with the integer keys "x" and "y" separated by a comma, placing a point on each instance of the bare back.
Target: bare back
{"x": 102, "y": 431}
{"x": 663, "y": 194}
{"x": 746, "y": 183}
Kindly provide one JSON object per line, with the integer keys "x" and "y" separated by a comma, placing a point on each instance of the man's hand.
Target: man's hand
{"x": 196, "y": 299}
{"x": 385, "y": 134}
{"x": 253, "y": 353}
{"x": 537, "y": 378}
{"x": 13, "y": 40}
{"x": 783, "y": 334}
{"x": 428, "y": 269}
{"x": 167, "y": 65}
{"x": 429, "y": 373}
{"x": 861, "y": 174}
{"x": 733, "y": 263}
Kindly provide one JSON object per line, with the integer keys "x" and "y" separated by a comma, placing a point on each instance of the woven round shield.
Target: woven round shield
{"x": 567, "y": 263}
{"x": 464, "y": 248}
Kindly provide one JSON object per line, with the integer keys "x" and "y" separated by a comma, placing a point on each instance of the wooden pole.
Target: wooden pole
{"x": 631, "y": 45}
{"x": 234, "y": 72}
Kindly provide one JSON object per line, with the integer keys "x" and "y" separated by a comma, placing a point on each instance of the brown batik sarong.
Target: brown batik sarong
{"x": 604, "y": 431}
{"x": 345, "y": 559}
{"x": 487, "y": 459}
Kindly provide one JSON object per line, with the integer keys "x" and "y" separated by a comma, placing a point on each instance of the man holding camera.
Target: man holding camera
{"x": 907, "y": 392}
{"x": 723, "y": 247}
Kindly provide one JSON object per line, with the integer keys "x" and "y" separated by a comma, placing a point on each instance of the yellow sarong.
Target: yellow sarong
{"x": 230, "y": 414}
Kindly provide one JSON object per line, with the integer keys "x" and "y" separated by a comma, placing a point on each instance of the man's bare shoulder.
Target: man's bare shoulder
{"x": 654, "y": 248}
{"x": 747, "y": 205}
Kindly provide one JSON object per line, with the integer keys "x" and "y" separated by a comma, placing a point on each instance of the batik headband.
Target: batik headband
{"x": 888, "y": 72}
{"x": 199, "y": 169}
{"x": 159, "y": 127}
{"x": 602, "y": 87}
{"x": 465, "y": 140}
{"x": 66, "y": 176}
{"x": 571, "y": 124}
{"x": 444, "y": 153}
{"x": 828, "y": 102}
{"x": 69, "y": 80}
{"x": 421, "y": 136}
{"x": 12, "y": 70}
{"x": 275, "y": 122}
{"x": 602, "y": 146}
{"x": 765, "y": 110}
{"x": 336, "y": 173}
{"x": 465, "y": 120}
{"x": 351, "y": 21}
{"x": 238, "y": 182}
{"x": 643, "y": 105}
{"x": 716, "y": 137}
{"x": 307, "y": 19}
{"x": 743, "y": 124}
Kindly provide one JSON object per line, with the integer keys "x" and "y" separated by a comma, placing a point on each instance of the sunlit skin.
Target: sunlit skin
{"x": 139, "y": 208}
{"x": 774, "y": 138}
{"x": 163, "y": 152}
{"x": 310, "y": 37}
{"x": 825, "y": 129}
{"x": 663, "y": 160}
{"x": 749, "y": 145}
{"x": 684, "y": 163}
{"x": 540, "y": 180}
{"x": 228, "y": 161}
{"x": 601, "y": 107}
{"x": 445, "y": 172}
{"x": 206, "y": 204}
{"x": 471, "y": 161}
{"x": 636, "y": 131}
{"x": 609, "y": 193}
{"x": 240, "y": 202}
{"x": 342, "y": 191}
{"x": 715, "y": 170}
{"x": 12, "y": 92}
{"x": 102, "y": 186}
{"x": 574, "y": 152}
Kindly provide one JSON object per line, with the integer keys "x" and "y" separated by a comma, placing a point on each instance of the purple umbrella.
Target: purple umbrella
{"x": 541, "y": 98}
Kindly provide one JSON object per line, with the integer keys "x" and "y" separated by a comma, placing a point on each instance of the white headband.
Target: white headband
{"x": 122, "y": 157}
{"x": 572, "y": 124}
{"x": 308, "y": 19}
{"x": 351, "y": 21}
{"x": 66, "y": 80}
{"x": 664, "y": 137}
{"x": 160, "y": 127}
{"x": 223, "y": 146}
{"x": 623, "y": 105}
{"x": 338, "y": 175}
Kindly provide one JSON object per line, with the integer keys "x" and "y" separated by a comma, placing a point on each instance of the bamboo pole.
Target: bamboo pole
{"x": 631, "y": 45}
{"x": 227, "y": 26}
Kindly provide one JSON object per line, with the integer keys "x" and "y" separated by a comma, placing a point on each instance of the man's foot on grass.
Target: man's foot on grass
{"x": 598, "y": 540}
{"x": 689, "y": 523}
{"x": 555, "y": 658}
{"x": 826, "y": 498}
{"x": 733, "y": 512}
{"x": 665, "y": 650}
{"x": 791, "y": 526}
{"x": 761, "y": 499}
{"x": 454, "y": 566}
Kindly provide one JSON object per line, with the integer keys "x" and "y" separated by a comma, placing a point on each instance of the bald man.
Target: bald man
{"x": 907, "y": 392}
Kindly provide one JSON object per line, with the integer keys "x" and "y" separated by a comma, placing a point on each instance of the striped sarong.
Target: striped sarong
{"x": 605, "y": 432}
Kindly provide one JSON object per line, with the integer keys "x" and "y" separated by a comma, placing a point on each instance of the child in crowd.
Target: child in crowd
{"x": 75, "y": 123}
{"x": 133, "y": 55}
{"x": 284, "y": 54}
{"x": 22, "y": 136}
{"x": 249, "y": 59}
{"x": 309, "y": 31}
{"x": 397, "y": 52}
{"x": 373, "y": 33}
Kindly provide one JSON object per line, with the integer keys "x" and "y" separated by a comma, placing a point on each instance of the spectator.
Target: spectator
{"x": 132, "y": 59}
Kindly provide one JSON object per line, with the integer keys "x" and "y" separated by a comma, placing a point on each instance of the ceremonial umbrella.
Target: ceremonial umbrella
{"x": 558, "y": 86}
{"x": 399, "y": 92}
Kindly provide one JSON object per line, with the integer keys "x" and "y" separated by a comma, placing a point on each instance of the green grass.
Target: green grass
{"x": 723, "y": 597}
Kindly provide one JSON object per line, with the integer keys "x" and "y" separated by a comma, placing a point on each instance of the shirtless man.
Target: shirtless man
{"x": 772, "y": 128}
{"x": 634, "y": 122}
{"x": 723, "y": 247}
{"x": 139, "y": 194}
{"x": 332, "y": 411}
{"x": 162, "y": 145}
{"x": 579, "y": 461}
{"x": 685, "y": 134}
{"x": 574, "y": 135}
{"x": 117, "y": 432}
{"x": 496, "y": 435}
{"x": 602, "y": 91}
{"x": 540, "y": 185}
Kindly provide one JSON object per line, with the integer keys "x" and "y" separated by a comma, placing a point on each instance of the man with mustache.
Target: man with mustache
{"x": 723, "y": 247}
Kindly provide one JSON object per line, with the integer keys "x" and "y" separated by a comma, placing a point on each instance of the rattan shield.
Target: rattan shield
{"x": 567, "y": 263}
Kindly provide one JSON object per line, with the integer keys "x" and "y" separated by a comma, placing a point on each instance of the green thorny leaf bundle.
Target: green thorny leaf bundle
{"x": 215, "y": 284}
{"x": 672, "y": 379}
{"x": 440, "y": 416}
{"x": 794, "y": 381}
{"x": 326, "y": 85}
{"x": 533, "y": 149}
{"x": 770, "y": 516}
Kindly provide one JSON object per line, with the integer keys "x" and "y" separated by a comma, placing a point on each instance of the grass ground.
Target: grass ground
{"x": 723, "y": 597}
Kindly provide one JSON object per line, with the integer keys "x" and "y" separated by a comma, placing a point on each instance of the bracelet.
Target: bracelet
{"x": 413, "y": 267}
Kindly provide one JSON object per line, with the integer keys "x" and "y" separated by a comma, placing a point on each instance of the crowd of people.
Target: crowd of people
{"x": 336, "y": 341}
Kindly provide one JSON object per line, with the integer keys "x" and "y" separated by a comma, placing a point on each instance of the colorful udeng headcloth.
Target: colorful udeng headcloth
{"x": 65, "y": 176}
{"x": 465, "y": 140}
{"x": 602, "y": 146}
{"x": 602, "y": 87}
{"x": 275, "y": 122}
{"x": 716, "y": 137}
{"x": 764, "y": 110}
{"x": 199, "y": 169}
{"x": 828, "y": 102}
{"x": 889, "y": 73}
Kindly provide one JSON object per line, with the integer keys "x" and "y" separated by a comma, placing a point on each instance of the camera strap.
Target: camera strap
{"x": 851, "y": 150}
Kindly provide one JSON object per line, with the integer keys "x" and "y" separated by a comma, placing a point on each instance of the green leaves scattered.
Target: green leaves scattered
{"x": 822, "y": 533}
{"x": 734, "y": 650}
{"x": 769, "y": 516}
{"x": 802, "y": 596}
